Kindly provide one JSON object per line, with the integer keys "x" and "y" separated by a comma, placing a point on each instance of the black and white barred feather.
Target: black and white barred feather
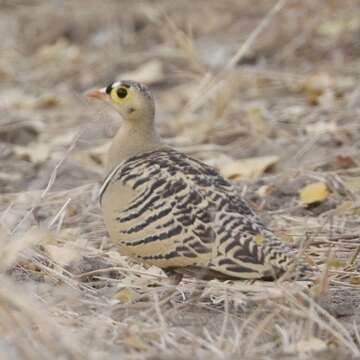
{"x": 184, "y": 216}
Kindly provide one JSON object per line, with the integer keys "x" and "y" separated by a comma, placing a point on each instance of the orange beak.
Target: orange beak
{"x": 97, "y": 94}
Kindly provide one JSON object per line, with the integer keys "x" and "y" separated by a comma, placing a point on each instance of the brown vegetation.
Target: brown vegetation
{"x": 265, "y": 91}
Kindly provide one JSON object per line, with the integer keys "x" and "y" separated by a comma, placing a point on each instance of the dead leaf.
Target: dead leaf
{"x": 314, "y": 193}
{"x": 218, "y": 160}
{"x": 63, "y": 255}
{"x": 71, "y": 211}
{"x": 11, "y": 250}
{"x": 36, "y": 153}
{"x": 345, "y": 162}
{"x": 355, "y": 280}
{"x": 12, "y": 178}
{"x": 64, "y": 139}
{"x": 316, "y": 85}
{"x": 311, "y": 344}
{"x": 336, "y": 263}
{"x": 149, "y": 73}
{"x": 321, "y": 127}
{"x": 61, "y": 50}
{"x": 265, "y": 190}
{"x": 336, "y": 27}
{"x": 347, "y": 207}
{"x": 125, "y": 295}
{"x": 135, "y": 342}
{"x": 256, "y": 117}
{"x": 250, "y": 168}
{"x": 352, "y": 183}
{"x": 323, "y": 88}
{"x": 20, "y": 132}
{"x": 98, "y": 154}
{"x": 91, "y": 158}
{"x": 47, "y": 101}
{"x": 286, "y": 238}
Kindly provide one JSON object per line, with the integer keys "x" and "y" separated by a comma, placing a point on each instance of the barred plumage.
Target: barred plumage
{"x": 167, "y": 209}
{"x": 182, "y": 213}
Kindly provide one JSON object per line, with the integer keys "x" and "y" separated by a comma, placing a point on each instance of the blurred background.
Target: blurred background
{"x": 266, "y": 91}
{"x": 292, "y": 95}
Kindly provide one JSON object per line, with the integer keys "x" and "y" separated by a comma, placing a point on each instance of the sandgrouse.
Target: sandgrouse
{"x": 161, "y": 207}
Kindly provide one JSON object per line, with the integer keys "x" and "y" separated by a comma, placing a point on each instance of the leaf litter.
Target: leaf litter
{"x": 272, "y": 113}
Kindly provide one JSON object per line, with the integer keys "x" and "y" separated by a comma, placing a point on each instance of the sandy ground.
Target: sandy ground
{"x": 269, "y": 94}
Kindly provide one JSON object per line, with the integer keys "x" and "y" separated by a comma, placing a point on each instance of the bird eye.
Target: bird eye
{"x": 121, "y": 92}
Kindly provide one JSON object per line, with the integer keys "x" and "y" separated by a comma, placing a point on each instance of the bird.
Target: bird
{"x": 163, "y": 208}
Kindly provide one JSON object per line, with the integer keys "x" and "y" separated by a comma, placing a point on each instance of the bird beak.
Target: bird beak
{"x": 97, "y": 94}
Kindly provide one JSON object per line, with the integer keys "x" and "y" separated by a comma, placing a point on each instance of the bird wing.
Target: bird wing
{"x": 186, "y": 214}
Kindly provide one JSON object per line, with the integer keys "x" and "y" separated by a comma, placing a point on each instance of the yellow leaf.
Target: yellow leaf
{"x": 335, "y": 28}
{"x": 248, "y": 168}
{"x": 347, "y": 207}
{"x": 256, "y": 117}
{"x": 125, "y": 295}
{"x": 259, "y": 239}
{"x": 336, "y": 263}
{"x": 313, "y": 193}
{"x": 355, "y": 280}
{"x": 352, "y": 183}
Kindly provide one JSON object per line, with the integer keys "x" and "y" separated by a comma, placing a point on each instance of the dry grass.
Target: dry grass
{"x": 278, "y": 78}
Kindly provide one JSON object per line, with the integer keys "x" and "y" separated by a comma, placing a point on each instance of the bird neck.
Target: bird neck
{"x": 131, "y": 140}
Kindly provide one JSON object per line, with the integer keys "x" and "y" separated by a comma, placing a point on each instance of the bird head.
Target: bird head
{"x": 129, "y": 98}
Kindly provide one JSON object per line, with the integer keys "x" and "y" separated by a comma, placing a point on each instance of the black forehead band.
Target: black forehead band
{"x": 109, "y": 88}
